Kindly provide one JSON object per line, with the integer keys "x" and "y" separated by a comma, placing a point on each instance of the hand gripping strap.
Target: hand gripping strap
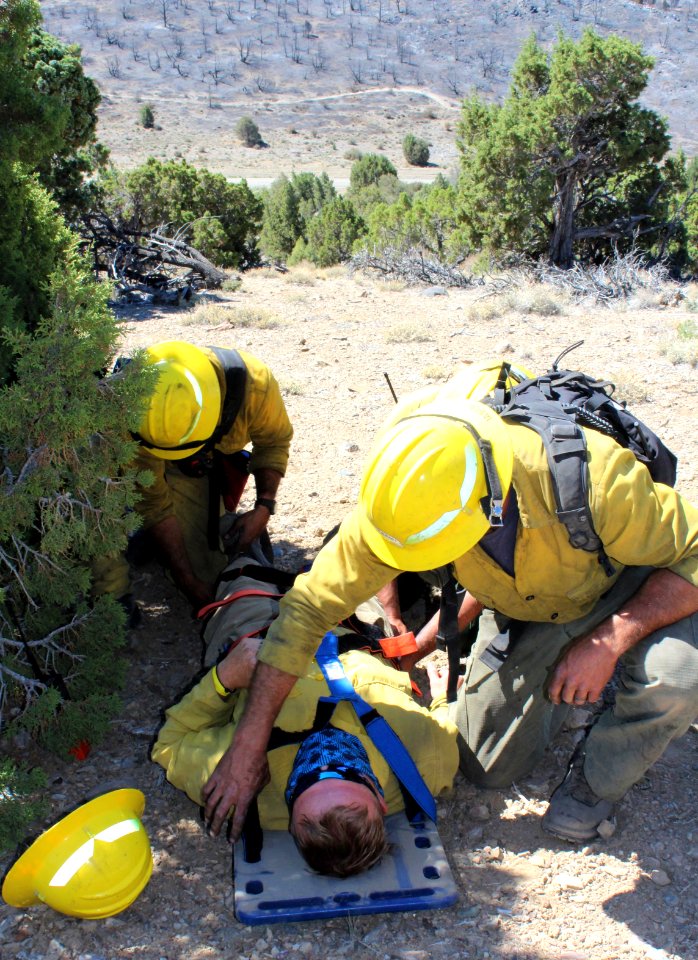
{"x": 377, "y": 727}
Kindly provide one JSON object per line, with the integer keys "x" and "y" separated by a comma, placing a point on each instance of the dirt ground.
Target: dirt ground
{"x": 330, "y": 339}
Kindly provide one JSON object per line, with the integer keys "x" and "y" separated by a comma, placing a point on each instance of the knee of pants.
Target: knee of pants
{"x": 669, "y": 671}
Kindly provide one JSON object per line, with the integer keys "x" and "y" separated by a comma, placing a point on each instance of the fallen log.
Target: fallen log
{"x": 147, "y": 262}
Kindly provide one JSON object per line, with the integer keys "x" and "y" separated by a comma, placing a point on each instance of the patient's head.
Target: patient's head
{"x": 336, "y": 805}
{"x": 339, "y": 827}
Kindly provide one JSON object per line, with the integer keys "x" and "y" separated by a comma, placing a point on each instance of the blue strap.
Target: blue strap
{"x": 376, "y": 726}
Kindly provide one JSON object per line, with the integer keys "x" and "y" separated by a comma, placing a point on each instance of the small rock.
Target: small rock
{"x": 434, "y": 292}
{"x": 492, "y": 853}
{"x": 606, "y": 829}
{"x": 305, "y": 948}
{"x": 660, "y": 877}
{"x": 480, "y": 812}
{"x": 378, "y": 934}
{"x": 567, "y": 881}
{"x": 349, "y": 447}
{"x": 554, "y": 931}
{"x": 55, "y": 950}
{"x": 469, "y": 912}
{"x": 413, "y": 954}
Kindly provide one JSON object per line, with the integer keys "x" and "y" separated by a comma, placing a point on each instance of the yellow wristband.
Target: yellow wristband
{"x": 220, "y": 689}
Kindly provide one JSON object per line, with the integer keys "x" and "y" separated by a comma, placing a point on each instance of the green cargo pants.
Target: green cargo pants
{"x": 506, "y": 720}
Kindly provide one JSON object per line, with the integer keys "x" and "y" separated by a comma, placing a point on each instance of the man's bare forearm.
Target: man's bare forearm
{"x": 589, "y": 662}
{"x": 664, "y": 598}
{"x": 267, "y": 482}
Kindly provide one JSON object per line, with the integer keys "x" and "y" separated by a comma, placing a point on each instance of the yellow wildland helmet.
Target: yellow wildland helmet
{"x": 91, "y": 864}
{"x": 184, "y": 409}
{"x": 435, "y": 483}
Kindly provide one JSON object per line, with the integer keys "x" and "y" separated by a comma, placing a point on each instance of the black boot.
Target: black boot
{"x": 574, "y": 811}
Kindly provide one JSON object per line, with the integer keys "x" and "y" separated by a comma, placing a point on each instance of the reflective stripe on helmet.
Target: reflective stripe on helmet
{"x": 84, "y": 853}
{"x": 466, "y": 488}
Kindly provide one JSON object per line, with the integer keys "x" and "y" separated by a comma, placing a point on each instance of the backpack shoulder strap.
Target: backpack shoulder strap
{"x": 235, "y": 381}
{"x": 565, "y": 448}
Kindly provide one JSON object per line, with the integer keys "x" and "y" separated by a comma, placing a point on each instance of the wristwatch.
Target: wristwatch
{"x": 266, "y": 502}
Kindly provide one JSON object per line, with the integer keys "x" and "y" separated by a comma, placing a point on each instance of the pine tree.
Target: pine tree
{"x": 570, "y": 161}
{"x": 66, "y": 488}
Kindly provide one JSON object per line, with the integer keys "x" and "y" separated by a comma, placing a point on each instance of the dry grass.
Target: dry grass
{"x": 435, "y": 373}
{"x": 539, "y": 300}
{"x": 631, "y": 389}
{"x": 394, "y": 286}
{"x": 209, "y": 315}
{"x": 259, "y": 318}
{"x": 684, "y": 349}
{"x": 408, "y": 333}
{"x": 216, "y": 315}
{"x": 486, "y": 310}
{"x": 292, "y": 388}
{"x": 645, "y": 300}
{"x": 304, "y": 275}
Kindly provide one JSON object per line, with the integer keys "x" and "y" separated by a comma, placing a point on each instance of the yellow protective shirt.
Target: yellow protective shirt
{"x": 639, "y": 522}
{"x": 199, "y": 729}
{"x": 262, "y": 421}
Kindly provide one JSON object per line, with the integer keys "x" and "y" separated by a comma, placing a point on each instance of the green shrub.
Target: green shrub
{"x": 146, "y": 116}
{"x": 289, "y": 206}
{"x": 331, "y": 234}
{"x": 416, "y": 150}
{"x": 223, "y": 218}
{"x": 369, "y": 169}
{"x": 247, "y": 132}
{"x": 66, "y": 489}
{"x": 21, "y": 801}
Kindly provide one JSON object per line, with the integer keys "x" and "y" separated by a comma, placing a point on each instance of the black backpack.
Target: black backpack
{"x": 557, "y": 405}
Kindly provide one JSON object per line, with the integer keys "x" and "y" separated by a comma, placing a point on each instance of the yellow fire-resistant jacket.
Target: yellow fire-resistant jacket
{"x": 639, "y": 522}
{"x": 199, "y": 729}
{"x": 261, "y": 421}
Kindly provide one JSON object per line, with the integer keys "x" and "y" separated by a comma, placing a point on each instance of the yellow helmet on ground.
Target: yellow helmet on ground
{"x": 435, "y": 483}
{"x": 186, "y": 404}
{"x": 91, "y": 864}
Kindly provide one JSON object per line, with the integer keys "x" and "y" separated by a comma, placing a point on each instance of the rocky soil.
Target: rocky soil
{"x": 330, "y": 339}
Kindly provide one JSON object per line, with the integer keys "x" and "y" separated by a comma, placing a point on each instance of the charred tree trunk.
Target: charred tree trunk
{"x": 565, "y": 205}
